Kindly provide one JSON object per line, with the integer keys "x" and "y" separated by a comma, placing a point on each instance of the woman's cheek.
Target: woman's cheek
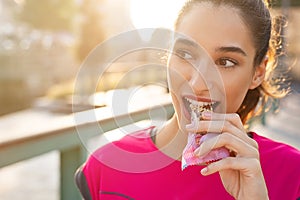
{"x": 234, "y": 98}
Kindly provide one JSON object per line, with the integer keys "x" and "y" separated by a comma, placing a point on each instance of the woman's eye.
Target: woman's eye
{"x": 184, "y": 54}
{"x": 226, "y": 62}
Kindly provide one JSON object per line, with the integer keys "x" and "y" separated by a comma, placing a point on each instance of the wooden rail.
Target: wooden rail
{"x": 69, "y": 143}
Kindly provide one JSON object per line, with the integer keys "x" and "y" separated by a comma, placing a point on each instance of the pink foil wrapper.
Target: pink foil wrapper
{"x": 194, "y": 141}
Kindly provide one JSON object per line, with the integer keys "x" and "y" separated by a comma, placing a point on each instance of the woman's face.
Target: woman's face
{"x": 219, "y": 73}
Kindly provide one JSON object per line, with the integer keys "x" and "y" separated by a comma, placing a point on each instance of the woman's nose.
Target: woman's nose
{"x": 199, "y": 82}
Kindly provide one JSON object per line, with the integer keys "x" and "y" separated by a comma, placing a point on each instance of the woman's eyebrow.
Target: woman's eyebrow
{"x": 186, "y": 42}
{"x": 225, "y": 49}
{"x": 231, "y": 49}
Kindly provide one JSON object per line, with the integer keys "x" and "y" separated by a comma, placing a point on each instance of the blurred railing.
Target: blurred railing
{"x": 69, "y": 143}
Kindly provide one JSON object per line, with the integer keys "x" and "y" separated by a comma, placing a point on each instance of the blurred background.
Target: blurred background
{"x": 43, "y": 44}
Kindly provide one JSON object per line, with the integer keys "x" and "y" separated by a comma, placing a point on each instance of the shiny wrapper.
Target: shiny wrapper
{"x": 194, "y": 141}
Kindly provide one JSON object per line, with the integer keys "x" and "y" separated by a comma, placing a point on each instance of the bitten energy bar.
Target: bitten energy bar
{"x": 195, "y": 140}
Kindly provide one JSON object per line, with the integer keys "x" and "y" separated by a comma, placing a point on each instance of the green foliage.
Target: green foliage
{"x": 55, "y": 15}
{"x": 64, "y": 15}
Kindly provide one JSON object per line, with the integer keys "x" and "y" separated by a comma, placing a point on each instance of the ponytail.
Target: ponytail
{"x": 266, "y": 97}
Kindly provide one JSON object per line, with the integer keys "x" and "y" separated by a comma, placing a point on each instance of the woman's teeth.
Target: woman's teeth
{"x": 198, "y": 106}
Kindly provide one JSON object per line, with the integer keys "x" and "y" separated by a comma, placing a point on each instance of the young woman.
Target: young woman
{"x": 230, "y": 72}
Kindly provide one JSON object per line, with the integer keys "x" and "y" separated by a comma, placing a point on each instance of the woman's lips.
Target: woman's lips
{"x": 198, "y": 98}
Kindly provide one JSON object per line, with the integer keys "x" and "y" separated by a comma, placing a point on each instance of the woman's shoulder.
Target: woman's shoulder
{"x": 120, "y": 155}
{"x": 280, "y": 164}
{"x": 134, "y": 152}
{"x": 127, "y": 148}
{"x": 277, "y": 151}
{"x": 135, "y": 142}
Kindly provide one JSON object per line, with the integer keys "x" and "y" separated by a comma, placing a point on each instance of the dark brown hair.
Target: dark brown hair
{"x": 266, "y": 37}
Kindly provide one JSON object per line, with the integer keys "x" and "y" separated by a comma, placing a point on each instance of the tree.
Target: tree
{"x": 53, "y": 15}
{"x": 91, "y": 30}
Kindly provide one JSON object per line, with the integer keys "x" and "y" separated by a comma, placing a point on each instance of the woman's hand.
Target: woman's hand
{"x": 241, "y": 174}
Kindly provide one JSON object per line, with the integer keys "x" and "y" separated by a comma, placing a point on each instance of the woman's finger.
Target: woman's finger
{"x": 249, "y": 166}
{"x": 233, "y": 118}
{"x": 229, "y": 141}
{"x": 217, "y": 124}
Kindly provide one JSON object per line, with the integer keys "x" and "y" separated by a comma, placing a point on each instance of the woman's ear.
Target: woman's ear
{"x": 259, "y": 74}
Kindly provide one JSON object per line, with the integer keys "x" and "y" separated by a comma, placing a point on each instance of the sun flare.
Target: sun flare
{"x": 154, "y": 13}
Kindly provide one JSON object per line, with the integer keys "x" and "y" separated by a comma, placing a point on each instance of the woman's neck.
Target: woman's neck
{"x": 171, "y": 140}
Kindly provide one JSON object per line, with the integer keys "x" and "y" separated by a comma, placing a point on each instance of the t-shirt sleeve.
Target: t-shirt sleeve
{"x": 280, "y": 163}
{"x": 92, "y": 174}
{"x": 82, "y": 185}
{"x": 291, "y": 167}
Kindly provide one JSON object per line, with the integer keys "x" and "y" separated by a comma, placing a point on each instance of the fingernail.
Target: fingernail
{"x": 204, "y": 171}
{"x": 189, "y": 126}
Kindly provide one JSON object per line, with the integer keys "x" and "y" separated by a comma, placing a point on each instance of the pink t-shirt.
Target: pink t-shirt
{"x": 133, "y": 168}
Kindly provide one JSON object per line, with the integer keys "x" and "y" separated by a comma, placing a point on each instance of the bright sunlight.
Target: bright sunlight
{"x": 154, "y": 13}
